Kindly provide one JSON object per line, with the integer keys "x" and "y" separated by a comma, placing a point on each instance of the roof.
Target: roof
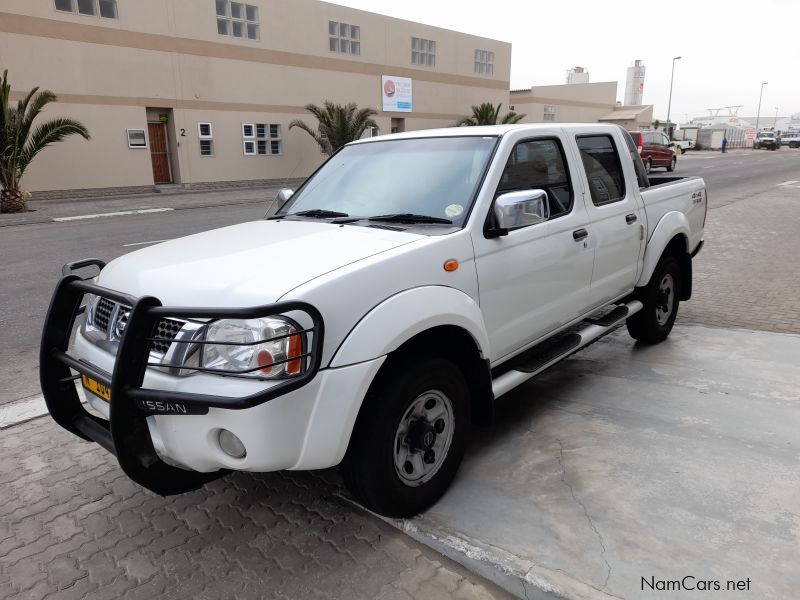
{"x": 483, "y": 130}
{"x": 625, "y": 113}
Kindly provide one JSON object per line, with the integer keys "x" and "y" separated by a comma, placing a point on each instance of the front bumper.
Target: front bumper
{"x": 126, "y": 432}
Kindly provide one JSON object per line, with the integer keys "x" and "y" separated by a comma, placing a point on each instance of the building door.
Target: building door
{"x": 158, "y": 152}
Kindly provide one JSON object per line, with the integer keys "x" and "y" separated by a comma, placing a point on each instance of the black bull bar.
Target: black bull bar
{"x": 126, "y": 433}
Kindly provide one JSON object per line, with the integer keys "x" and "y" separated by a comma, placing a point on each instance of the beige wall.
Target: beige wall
{"x": 573, "y": 103}
{"x": 104, "y": 161}
{"x": 107, "y": 72}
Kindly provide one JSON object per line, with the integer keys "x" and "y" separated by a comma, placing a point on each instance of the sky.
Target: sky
{"x": 727, "y": 48}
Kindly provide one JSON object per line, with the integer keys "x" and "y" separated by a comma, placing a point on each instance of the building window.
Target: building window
{"x": 204, "y": 130}
{"x": 374, "y": 131}
{"x": 549, "y": 112}
{"x": 344, "y": 38}
{"x": 94, "y": 8}
{"x": 423, "y": 52}
{"x": 206, "y": 147}
{"x": 136, "y": 138}
{"x": 484, "y": 62}
{"x": 206, "y": 135}
{"x": 237, "y": 19}
{"x": 261, "y": 139}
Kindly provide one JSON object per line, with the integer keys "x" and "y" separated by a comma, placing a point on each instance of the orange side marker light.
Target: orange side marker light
{"x": 451, "y": 265}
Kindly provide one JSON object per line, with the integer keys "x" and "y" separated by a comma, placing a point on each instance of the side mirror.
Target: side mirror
{"x": 519, "y": 209}
{"x": 280, "y": 199}
{"x": 283, "y": 195}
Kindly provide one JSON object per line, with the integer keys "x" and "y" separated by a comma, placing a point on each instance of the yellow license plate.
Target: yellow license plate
{"x": 97, "y": 388}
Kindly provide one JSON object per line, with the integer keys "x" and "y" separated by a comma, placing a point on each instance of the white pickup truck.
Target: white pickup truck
{"x": 405, "y": 286}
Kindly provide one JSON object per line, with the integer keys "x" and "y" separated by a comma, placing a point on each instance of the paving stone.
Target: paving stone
{"x": 86, "y": 531}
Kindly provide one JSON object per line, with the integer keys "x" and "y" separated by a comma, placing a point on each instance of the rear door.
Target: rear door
{"x": 615, "y": 214}
{"x": 536, "y": 278}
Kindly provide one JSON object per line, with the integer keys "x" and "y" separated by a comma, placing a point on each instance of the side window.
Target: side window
{"x": 664, "y": 140}
{"x": 539, "y": 165}
{"x": 641, "y": 174}
{"x": 603, "y": 168}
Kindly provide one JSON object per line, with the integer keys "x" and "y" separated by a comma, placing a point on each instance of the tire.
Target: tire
{"x": 385, "y": 465}
{"x": 653, "y": 323}
{"x": 648, "y": 165}
{"x": 672, "y": 164}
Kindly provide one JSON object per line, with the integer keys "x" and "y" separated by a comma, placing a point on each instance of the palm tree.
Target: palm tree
{"x": 20, "y": 143}
{"x": 487, "y": 114}
{"x": 338, "y": 124}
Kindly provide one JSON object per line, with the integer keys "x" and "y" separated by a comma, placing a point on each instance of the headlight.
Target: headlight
{"x": 238, "y": 346}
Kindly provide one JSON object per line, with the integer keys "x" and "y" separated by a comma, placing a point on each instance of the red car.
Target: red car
{"x": 655, "y": 149}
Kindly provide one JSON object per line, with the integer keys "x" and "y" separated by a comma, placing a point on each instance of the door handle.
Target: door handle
{"x": 580, "y": 234}
{"x": 630, "y": 219}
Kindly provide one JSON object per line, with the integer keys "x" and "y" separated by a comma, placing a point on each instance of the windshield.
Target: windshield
{"x": 436, "y": 177}
{"x": 766, "y": 134}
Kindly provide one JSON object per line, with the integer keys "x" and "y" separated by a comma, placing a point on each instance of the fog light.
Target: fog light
{"x": 231, "y": 445}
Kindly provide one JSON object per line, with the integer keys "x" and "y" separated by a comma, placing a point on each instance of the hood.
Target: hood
{"x": 247, "y": 264}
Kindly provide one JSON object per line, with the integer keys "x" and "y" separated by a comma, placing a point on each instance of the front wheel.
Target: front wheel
{"x": 660, "y": 299}
{"x": 648, "y": 165}
{"x": 410, "y": 438}
{"x": 672, "y": 164}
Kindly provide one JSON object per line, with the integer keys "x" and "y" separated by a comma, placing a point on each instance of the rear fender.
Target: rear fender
{"x": 671, "y": 224}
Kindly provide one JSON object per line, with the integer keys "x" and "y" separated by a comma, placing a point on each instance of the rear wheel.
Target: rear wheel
{"x": 660, "y": 299}
{"x": 648, "y": 165}
{"x": 409, "y": 440}
{"x": 672, "y": 164}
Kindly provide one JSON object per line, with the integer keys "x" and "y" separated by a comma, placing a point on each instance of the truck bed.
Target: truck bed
{"x": 685, "y": 195}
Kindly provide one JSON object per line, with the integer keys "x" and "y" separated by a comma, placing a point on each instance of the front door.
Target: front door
{"x": 536, "y": 278}
{"x": 158, "y": 152}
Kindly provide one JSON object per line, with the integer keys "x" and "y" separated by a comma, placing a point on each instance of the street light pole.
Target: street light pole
{"x": 775, "y": 124}
{"x": 758, "y": 116}
{"x": 671, "y": 79}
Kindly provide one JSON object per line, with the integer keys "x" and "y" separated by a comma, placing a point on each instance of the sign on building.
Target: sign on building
{"x": 750, "y": 134}
{"x": 396, "y": 93}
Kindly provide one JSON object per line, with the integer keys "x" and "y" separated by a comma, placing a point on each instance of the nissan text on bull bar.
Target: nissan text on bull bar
{"x": 406, "y": 285}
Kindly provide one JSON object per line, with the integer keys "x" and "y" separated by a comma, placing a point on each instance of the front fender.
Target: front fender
{"x": 399, "y": 318}
{"x": 671, "y": 224}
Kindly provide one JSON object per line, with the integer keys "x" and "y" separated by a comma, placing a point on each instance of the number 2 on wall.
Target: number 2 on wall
{"x": 183, "y": 132}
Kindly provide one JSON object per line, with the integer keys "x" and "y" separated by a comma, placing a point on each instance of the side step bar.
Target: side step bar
{"x": 553, "y": 350}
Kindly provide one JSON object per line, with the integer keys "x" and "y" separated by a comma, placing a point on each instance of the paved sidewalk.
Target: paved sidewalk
{"x": 73, "y": 526}
{"x": 748, "y": 273}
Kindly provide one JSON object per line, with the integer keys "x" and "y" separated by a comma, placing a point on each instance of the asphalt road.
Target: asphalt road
{"x": 31, "y": 255}
{"x": 739, "y": 174}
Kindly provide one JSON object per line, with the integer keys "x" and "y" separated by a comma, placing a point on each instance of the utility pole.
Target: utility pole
{"x": 758, "y": 116}
{"x": 775, "y": 124}
{"x": 671, "y": 79}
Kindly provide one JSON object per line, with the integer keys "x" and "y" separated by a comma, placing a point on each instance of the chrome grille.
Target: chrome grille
{"x": 167, "y": 328}
{"x": 102, "y": 313}
{"x": 107, "y": 310}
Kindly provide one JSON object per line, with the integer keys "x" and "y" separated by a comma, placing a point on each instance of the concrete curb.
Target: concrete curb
{"x": 515, "y": 575}
{"x": 24, "y": 410}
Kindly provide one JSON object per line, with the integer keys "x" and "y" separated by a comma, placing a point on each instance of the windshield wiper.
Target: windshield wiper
{"x": 410, "y": 218}
{"x": 318, "y": 213}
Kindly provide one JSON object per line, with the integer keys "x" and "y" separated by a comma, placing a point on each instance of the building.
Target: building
{"x": 200, "y": 91}
{"x": 577, "y": 75}
{"x": 579, "y": 103}
{"x": 634, "y": 84}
